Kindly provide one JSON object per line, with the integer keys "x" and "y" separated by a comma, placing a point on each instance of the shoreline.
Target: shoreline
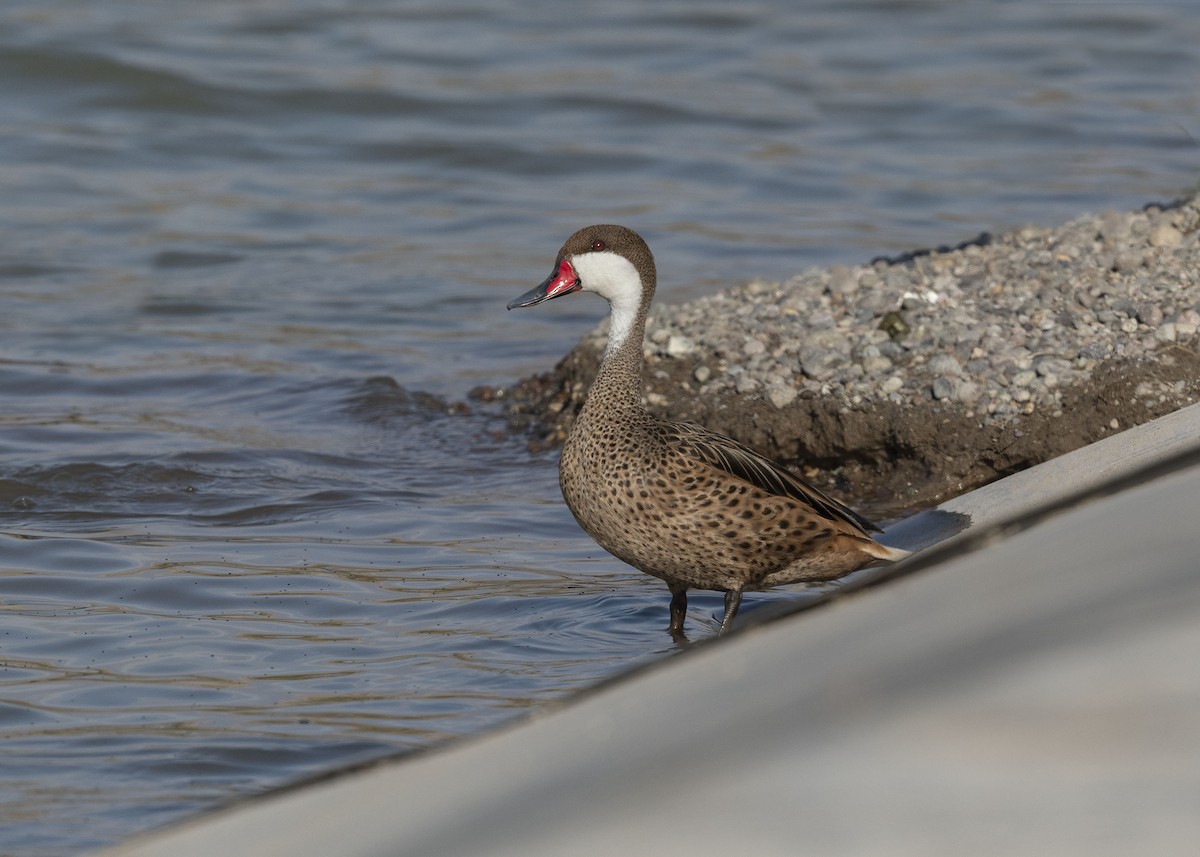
{"x": 904, "y": 381}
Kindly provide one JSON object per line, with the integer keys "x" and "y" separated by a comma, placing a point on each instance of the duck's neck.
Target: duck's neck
{"x": 618, "y": 384}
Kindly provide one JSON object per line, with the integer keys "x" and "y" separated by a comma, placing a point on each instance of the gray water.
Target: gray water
{"x": 252, "y": 252}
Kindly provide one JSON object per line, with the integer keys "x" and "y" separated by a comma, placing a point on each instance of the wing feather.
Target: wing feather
{"x": 737, "y": 460}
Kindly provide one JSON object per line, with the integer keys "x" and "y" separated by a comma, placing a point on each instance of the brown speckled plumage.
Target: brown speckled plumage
{"x": 689, "y": 506}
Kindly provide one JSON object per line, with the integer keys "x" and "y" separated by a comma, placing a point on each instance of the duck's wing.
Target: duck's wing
{"x": 730, "y": 456}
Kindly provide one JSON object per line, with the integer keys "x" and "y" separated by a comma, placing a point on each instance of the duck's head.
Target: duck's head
{"x": 610, "y": 260}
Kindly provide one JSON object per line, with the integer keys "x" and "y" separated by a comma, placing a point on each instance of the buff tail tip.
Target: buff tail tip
{"x": 882, "y": 551}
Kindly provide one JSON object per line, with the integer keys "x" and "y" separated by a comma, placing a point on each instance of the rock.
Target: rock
{"x": 814, "y": 359}
{"x": 702, "y": 374}
{"x": 968, "y": 392}
{"x": 782, "y": 396}
{"x": 1113, "y": 227}
{"x": 945, "y": 364}
{"x": 820, "y": 373}
{"x": 679, "y": 346}
{"x": 1165, "y": 235}
{"x": 842, "y": 281}
{"x": 944, "y": 388}
{"x": 1148, "y": 313}
{"x": 745, "y": 383}
{"x": 876, "y": 365}
{"x": 1045, "y": 366}
{"x": 1186, "y": 324}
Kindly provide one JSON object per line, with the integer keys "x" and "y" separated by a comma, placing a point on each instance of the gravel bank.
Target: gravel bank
{"x": 903, "y": 381}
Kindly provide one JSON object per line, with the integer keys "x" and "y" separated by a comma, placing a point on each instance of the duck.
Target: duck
{"x": 689, "y": 506}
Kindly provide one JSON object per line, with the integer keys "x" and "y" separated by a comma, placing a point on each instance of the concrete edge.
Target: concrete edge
{"x": 282, "y": 821}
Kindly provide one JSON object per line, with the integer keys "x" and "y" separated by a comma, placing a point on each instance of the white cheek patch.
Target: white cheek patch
{"x": 614, "y": 278}
{"x": 608, "y": 275}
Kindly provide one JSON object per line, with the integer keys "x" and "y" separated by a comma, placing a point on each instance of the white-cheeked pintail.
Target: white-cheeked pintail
{"x": 677, "y": 501}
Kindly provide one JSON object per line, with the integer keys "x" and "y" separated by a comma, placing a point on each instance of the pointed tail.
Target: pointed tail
{"x": 879, "y": 551}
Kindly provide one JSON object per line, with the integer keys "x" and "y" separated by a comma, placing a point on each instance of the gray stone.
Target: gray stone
{"x": 1148, "y": 313}
{"x": 876, "y": 365}
{"x": 943, "y": 387}
{"x": 1165, "y": 235}
{"x": 1051, "y": 366}
{"x": 968, "y": 392}
{"x": 842, "y": 281}
{"x": 745, "y": 383}
{"x": 782, "y": 396}
{"x": 890, "y": 349}
{"x": 944, "y": 364}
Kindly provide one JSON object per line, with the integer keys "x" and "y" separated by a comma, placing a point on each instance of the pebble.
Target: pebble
{"x": 842, "y": 281}
{"x": 679, "y": 346}
{"x": 943, "y": 387}
{"x": 968, "y": 392}
{"x": 1148, "y": 312}
{"x": 1002, "y": 328}
{"x": 944, "y": 364}
{"x": 876, "y": 365}
{"x": 781, "y": 397}
{"x": 1186, "y": 324}
{"x": 1165, "y": 235}
{"x": 1047, "y": 366}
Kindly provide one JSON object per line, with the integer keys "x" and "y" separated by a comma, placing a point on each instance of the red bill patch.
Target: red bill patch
{"x": 564, "y": 281}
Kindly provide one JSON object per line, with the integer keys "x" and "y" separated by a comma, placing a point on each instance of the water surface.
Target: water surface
{"x": 254, "y": 252}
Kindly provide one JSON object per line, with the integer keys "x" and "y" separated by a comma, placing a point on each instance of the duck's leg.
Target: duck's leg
{"x": 678, "y": 608}
{"x": 733, "y": 600}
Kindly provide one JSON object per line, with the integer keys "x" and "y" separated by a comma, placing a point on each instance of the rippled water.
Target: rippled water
{"x": 253, "y": 251}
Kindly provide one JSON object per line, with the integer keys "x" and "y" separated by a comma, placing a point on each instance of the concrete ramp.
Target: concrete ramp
{"x": 1030, "y": 686}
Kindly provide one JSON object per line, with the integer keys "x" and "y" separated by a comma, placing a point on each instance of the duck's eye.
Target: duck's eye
{"x": 598, "y": 245}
